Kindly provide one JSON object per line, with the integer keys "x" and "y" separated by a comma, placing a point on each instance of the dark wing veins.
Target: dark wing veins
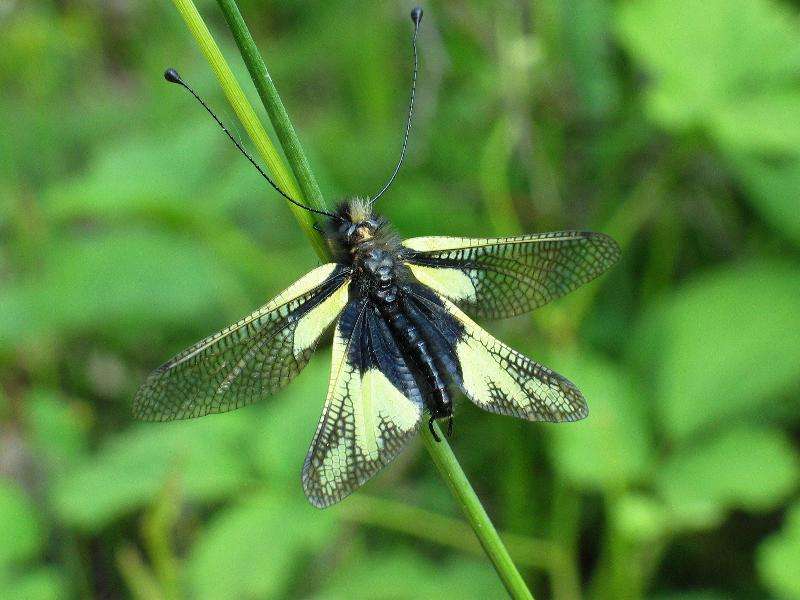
{"x": 250, "y": 359}
{"x": 503, "y": 277}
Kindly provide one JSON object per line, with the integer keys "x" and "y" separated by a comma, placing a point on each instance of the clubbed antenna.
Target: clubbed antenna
{"x": 172, "y": 76}
{"x": 416, "y": 17}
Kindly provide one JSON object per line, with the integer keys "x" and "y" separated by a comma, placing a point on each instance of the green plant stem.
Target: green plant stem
{"x": 157, "y": 528}
{"x": 249, "y": 119}
{"x": 565, "y": 579}
{"x": 440, "y": 452}
{"x": 272, "y": 103}
{"x": 140, "y": 581}
{"x": 453, "y": 474}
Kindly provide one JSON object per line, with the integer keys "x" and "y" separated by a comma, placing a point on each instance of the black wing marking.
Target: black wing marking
{"x": 250, "y": 359}
{"x": 496, "y": 377}
{"x": 372, "y": 410}
{"x": 504, "y": 277}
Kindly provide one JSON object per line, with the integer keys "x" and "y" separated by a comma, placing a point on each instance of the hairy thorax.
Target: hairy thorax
{"x": 369, "y": 245}
{"x": 377, "y": 269}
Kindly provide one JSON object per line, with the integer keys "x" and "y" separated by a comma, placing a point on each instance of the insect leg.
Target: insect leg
{"x": 433, "y": 431}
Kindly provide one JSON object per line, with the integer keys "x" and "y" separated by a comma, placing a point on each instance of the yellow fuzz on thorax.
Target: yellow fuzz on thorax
{"x": 359, "y": 210}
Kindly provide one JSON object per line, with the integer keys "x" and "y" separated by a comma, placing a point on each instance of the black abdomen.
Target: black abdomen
{"x": 378, "y": 279}
{"x": 417, "y": 350}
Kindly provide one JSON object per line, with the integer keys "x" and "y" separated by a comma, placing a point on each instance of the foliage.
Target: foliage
{"x": 129, "y": 229}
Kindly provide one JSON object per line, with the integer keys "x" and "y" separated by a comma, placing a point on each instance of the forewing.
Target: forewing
{"x": 496, "y": 377}
{"x": 250, "y": 359}
{"x": 503, "y": 277}
{"x": 372, "y": 409}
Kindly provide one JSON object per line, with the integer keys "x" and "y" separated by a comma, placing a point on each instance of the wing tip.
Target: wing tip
{"x": 577, "y": 401}
{"x": 613, "y": 251}
{"x": 139, "y": 409}
{"x": 311, "y": 488}
{"x": 318, "y": 502}
{"x": 583, "y": 409}
{"x": 142, "y": 412}
{"x": 145, "y": 407}
{"x": 151, "y": 410}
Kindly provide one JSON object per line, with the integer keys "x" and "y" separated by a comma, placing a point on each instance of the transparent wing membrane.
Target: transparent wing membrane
{"x": 250, "y": 359}
{"x": 504, "y": 277}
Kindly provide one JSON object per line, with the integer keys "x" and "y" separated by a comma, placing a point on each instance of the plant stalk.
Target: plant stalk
{"x": 451, "y": 471}
{"x": 441, "y": 453}
{"x": 278, "y": 116}
{"x": 249, "y": 119}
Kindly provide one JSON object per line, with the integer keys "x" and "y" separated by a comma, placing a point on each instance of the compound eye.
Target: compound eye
{"x": 372, "y": 224}
{"x": 351, "y": 230}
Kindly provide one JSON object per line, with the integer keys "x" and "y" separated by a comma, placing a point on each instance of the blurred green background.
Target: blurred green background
{"x": 129, "y": 228}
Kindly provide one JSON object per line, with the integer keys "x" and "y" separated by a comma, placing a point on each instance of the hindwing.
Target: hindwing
{"x": 496, "y": 377}
{"x": 250, "y": 359}
{"x": 373, "y": 407}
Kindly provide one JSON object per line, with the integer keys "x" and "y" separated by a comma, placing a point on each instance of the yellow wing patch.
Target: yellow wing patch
{"x": 482, "y": 374}
{"x": 453, "y": 283}
{"x": 334, "y": 465}
{"x": 305, "y": 284}
{"x": 501, "y": 380}
{"x": 365, "y": 422}
{"x": 317, "y": 320}
{"x": 380, "y": 400}
{"x": 435, "y": 243}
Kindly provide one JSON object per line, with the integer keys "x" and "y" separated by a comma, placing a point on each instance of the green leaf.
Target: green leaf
{"x": 779, "y": 556}
{"x": 641, "y": 518}
{"x": 115, "y": 281}
{"x": 719, "y": 347}
{"x": 23, "y": 537}
{"x": 130, "y": 470}
{"x": 773, "y": 189}
{"x": 44, "y": 583}
{"x": 254, "y": 548}
{"x": 727, "y": 67}
{"x": 585, "y": 26}
{"x": 749, "y": 468}
{"x": 110, "y": 190}
{"x": 403, "y": 573}
{"x": 612, "y": 447}
{"x": 716, "y": 61}
{"x": 57, "y": 431}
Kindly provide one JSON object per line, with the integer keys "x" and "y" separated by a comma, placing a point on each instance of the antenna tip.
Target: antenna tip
{"x": 172, "y": 76}
{"x": 416, "y": 15}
